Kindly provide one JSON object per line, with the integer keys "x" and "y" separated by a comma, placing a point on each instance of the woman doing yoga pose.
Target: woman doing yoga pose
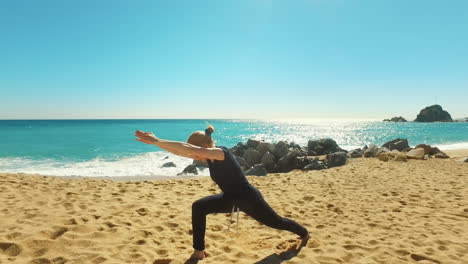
{"x": 226, "y": 172}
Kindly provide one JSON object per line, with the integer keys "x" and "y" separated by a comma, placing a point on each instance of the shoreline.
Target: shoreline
{"x": 453, "y": 153}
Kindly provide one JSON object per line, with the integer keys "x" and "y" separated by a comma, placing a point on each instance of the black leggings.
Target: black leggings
{"x": 251, "y": 202}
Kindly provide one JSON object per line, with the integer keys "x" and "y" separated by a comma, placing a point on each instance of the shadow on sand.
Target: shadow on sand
{"x": 283, "y": 256}
{"x": 273, "y": 258}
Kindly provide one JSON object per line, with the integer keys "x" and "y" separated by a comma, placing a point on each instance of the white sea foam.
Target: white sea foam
{"x": 462, "y": 145}
{"x": 147, "y": 164}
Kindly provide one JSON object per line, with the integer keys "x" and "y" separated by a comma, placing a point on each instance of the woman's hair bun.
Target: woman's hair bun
{"x": 210, "y": 130}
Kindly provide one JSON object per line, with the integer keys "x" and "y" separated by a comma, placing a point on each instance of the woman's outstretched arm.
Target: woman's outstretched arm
{"x": 180, "y": 148}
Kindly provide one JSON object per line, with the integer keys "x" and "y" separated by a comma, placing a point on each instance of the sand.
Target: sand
{"x": 367, "y": 211}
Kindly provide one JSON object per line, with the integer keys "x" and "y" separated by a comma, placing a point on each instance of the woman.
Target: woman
{"x": 226, "y": 172}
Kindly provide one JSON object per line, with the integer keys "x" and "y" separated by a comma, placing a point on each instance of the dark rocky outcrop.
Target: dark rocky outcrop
{"x": 336, "y": 159}
{"x": 190, "y": 169}
{"x": 286, "y": 163}
{"x": 256, "y": 170}
{"x": 398, "y": 144}
{"x": 269, "y": 161}
{"x": 395, "y": 119}
{"x": 371, "y": 151}
{"x": 169, "y": 164}
{"x": 323, "y": 147}
{"x": 315, "y": 164}
{"x": 433, "y": 113}
{"x": 252, "y": 143}
{"x": 280, "y": 149}
{"x": 355, "y": 153}
{"x": 252, "y": 156}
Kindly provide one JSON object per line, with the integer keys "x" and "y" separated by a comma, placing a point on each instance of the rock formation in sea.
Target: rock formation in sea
{"x": 395, "y": 119}
{"x": 433, "y": 113}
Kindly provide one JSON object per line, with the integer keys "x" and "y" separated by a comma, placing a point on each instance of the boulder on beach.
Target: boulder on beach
{"x": 256, "y": 170}
{"x": 427, "y": 148}
{"x": 417, "y": 153}
{"x": 441, "y": 155}
{"x": 190, "y": 169}
{"x": 393, "y": 155}
{"x": 315, "y": 164}
{"x": 238, "y": 149}
{"x": 336, "y": 159}
{"x": 280, "y": 149}
{"x": 286, "y": 163}
{"x": 399, "y": 144}
{"x": 263, "y": 147}
{"x": 371, "y": 151}
{"x": 253, "y": 143}
{"x": 169, "y": 164}
{"x": 269, "y": 161}
{"x": 323, "y": 146}
{"x": 355, "y": 153}
{"x": 252, "y": 156}
{"x": 433, "y": 113}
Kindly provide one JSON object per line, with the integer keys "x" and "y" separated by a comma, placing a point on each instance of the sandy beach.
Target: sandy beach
{"x": 367, "y": 211}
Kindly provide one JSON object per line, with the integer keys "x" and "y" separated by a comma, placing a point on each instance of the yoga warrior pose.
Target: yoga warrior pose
{"x": 226, "y": 172}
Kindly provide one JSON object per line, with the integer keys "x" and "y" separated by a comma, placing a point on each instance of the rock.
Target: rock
{"x": 441, "y": 155}
{"x": 398, "y": 144}
{"x": 269, "y": 161}
{"x": 355, "y": 153}
{"x": 263, "y": 147}
{"x": 253, "y": 143}
{"x": 407, "y": 150}
{"x": 257, "y": 170}
{"x": 168, "y": 164}
{"x": 242, "y": 162}
{"x": 190, "y": 169}
{"x": 315, "y": 164}
{"x": 394, "y": 155}
{"x": 400, "y": 157}
{"x": 323, "y": 146}
{"x": 466, "y": 159}
{"x": 299, "y": 162}
{"x": 417, "y": 153}
{"x": 385, "y": 156}
{"x": 336, "y": 159}
{"x": 286, "y": 163}
{"x": 395, "y": 119}
{"x": 239, "y": 149}
{"x": 381, "y": 150}
{"x": 435, "y": 151}
{"x": 280, "y": 149}
{"x": 427, "y": 148}
{"x": 433, "y": 113}
{"x": 371, "y": 151}
{"x": 252, "y": 156}
{"x": 199, "y": 163}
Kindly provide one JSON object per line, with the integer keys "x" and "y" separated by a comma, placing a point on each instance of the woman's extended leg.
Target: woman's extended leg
{"x": 255, "y": 206}
{"x": 217, "y": 203}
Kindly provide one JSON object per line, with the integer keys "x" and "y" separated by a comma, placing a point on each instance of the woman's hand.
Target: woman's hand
{"x": 146, "y": 137}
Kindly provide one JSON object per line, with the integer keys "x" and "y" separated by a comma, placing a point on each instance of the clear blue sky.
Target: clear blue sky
{"x": 232, "y": 59}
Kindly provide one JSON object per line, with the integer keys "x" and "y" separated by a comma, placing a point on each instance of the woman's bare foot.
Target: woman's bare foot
{"x": 199, "y": 255}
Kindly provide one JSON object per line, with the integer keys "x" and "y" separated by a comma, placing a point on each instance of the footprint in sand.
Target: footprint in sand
{"x": 10, "y": 249}
{"x": 162, "y": 261}
{"x": 417, "y": 257}
{"x": 40, "y": 261}
{"x": 56, "y": 232}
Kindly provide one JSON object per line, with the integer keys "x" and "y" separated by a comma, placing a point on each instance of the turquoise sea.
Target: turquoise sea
{"x": 109, "y": 148}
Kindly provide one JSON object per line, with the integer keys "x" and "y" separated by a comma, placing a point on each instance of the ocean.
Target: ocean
{"x": 96, "y": 148}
